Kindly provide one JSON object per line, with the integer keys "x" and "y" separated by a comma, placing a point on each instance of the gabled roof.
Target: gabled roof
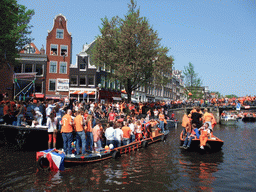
{"x": 55, "y": 19}
{"x": 30, "y": 45}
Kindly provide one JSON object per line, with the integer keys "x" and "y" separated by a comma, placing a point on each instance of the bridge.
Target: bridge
{"x": 216, "y": 111}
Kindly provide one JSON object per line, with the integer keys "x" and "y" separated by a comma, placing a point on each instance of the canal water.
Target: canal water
{"x": 162, "y": 166}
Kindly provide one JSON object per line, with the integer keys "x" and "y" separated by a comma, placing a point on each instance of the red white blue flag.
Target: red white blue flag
{"x": 55, "y": 159}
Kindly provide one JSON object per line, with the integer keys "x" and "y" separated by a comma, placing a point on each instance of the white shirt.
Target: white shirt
{"x": 138, "y": 129}
{"x": 110, "y": 133}
{"x": 132, "y": 128}
{"x": 51, "y": 125}
{"x": 118, "y": 134}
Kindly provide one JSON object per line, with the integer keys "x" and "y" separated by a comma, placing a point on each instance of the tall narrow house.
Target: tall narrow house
{"x": 59, "y": 52}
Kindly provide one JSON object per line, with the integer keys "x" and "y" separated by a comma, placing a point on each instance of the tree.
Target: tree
{"x": 231, "y": 96}
{"x": 193, "y": 82}
{"x": 15, "y": 29}
{"x": 131, "y": 49}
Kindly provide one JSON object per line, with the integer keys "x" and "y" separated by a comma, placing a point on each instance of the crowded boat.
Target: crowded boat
{"x": 197, "y": 133}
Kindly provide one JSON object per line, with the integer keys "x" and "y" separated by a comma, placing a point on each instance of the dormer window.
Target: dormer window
{"x": 29, "y": 49}
{"x": 59, "y": 33}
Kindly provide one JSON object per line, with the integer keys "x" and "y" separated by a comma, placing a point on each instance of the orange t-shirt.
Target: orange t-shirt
{"x": 207, "y": 117}
{"x": 126, "y": 132}
{"x": 66, "y": 126}
{"x": 78, "y": 123}
{"x": 161, "y": 117}
{"x": 5, "y": 110}
{"x": 89, "y": 126}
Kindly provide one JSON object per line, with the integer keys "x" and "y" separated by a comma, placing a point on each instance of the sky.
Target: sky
{"x": 218, "y": 37}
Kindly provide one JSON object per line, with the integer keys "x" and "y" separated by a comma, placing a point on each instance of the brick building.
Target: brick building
{"x": 59, "y": 52}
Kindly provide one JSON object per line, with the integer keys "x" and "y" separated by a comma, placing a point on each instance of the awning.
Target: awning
{"x": 39, "y": 95}
{"x": 117, "y": 98}
{"x": 82, "y": 92}
{"x": 75, "y": 93}
{"x": 91, "y": 93}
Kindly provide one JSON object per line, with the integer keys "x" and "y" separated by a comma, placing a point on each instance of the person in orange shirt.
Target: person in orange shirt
{"x": 80, "y": 134}
{"x": 205, "y": 133}
{"x": 89, "y": 135}
{"x": 66, "y": 131}
{"x": 126, "y": 133}
{"x": 208, "y": 118}
{"x": 6, "y": 111}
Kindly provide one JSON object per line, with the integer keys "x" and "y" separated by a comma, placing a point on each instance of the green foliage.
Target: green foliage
{"x": 231, "y": 96}
{"x": 132, "y": 49}
{"x": 191, "y": 77}
{"x": 15, "y": 29}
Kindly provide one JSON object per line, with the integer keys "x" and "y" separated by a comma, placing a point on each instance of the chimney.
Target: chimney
{"x": 42, "y": 50}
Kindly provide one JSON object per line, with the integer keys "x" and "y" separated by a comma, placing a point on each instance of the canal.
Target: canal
{"x": 161, "y": 167}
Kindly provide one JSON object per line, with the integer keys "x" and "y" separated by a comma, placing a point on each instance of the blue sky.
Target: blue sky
{"x": 218, "y": 37}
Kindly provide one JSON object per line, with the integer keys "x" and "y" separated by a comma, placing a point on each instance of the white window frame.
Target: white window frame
{"x": 67, "y": 50}
{"x": 61, "y": 62}
{"x": 85, "y": 80}
{"x": 76, "y": 80}
{"x": 83, "y": 69}
{"x": 49, "y": 84}
{"x": 57, "y": 33}
{"x": 56, "y": 67}
{"x": 51, "y": 49}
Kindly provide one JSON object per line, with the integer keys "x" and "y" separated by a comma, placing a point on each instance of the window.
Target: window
{"x": 53, "y": 67}
{"x": 18, "y": 68}
{"x": 64, "y": 50}
{"x": 90, "y": 80}
{"x": 83, "y": 64}
{"x": 102, "y": 81}
{"x": 52, "y": 84}
{"x": 38, "y": 87}
{"x": 59, "y": 33}
{"x": 28, "y": 68}
{"x": 63, "y": 67}
{"x": 82, "y": 80}
{"x": 29, "y": 49}
{"x": 39, "y": 69}
{"x": 54, "y": 50}
{"x": 73, "y": 80}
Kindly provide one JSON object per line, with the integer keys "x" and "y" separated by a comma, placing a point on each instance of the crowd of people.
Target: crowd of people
{"x": 81, "y": 123}
{"x": 126, "y": 121}
{"x": 198, "y": 125}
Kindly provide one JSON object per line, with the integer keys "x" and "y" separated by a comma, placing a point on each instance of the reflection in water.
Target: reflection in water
{"x": 160, "y": 167}
{"x": 200, "y": 169}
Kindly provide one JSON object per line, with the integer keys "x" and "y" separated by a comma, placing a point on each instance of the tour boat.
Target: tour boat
{"x": 213, "y": 144}
{"x": 46, "y": 162}
{"x": 228, "y": 119}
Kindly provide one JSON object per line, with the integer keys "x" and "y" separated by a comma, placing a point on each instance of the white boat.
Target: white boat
{"x": 228, "y": 119}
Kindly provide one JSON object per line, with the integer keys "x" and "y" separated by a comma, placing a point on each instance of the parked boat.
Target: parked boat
{"x": 213, "y": 144}
{"x": 228, "y": 119}
{"x": 44, "y": 162}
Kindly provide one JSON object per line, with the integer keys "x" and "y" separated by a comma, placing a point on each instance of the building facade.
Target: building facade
{"x": 29, "y": 73}
{"x": 59, "y": 52}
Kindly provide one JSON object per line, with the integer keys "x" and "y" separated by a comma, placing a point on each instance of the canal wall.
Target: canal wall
{"x": 179, "y": 113}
